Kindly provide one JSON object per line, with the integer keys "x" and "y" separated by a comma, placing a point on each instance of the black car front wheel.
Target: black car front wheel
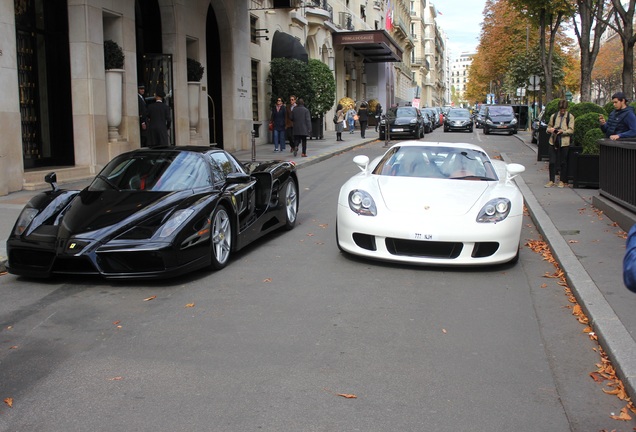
{"x": 291, "y": 204}
{"x": 221, "y": 238}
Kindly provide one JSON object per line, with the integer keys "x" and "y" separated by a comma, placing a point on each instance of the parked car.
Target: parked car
{"x": 402, "y": 121}
{"x": 154, "y": 213}
{"x": 432, "y": 115}
{"x": 431, "y": 203}
{"x": 428, "y": 123}
{"x": 458, "y": 119}
{"x": 480, "y": 116}
{"x": 540, "y": 121}
{"x": 500, "y": 118}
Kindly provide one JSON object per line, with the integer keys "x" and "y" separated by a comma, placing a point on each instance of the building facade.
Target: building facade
{"x": 63, "y": 111}
{"x": 459, "y": 78}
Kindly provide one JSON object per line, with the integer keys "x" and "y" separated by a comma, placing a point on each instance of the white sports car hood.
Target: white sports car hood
{"x": 436, "y": 197}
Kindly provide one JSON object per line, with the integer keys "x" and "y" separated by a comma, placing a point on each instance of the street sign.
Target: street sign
{"x": 534, "y": 80}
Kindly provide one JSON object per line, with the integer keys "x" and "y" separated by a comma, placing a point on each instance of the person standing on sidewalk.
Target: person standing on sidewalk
{"x": 340, "y": 117}
{"x": 621, "y": 122}
{"x": 378, "y": 116}
{"x": 560, "y": 128}
{"x": 279, "y": 121}
{"x": 363, "y": 118}
{"x": 143, "y": 115}
{"x": 289, "y": 124}
{"x": 350, "y": 120}
{"x": 302, "y": 126}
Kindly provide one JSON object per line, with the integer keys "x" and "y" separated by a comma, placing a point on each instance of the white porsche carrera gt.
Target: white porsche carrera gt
{"x": 432, "y": 203}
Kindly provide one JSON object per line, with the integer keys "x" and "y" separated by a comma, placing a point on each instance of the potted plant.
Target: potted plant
{"x": 194, "y": 74}
{"x": 585, "y": 162}
{"x": 114, "y": 65}
{"x": 322, "y": 95}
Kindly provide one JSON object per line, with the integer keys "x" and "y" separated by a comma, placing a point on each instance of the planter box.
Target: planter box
{"x": 317, "y": 128}
{"x": 543, "y": 145}
{"x": 585, "y": 170}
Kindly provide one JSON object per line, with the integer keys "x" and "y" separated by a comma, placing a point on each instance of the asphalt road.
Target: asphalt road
{"x": 276, "y": 339}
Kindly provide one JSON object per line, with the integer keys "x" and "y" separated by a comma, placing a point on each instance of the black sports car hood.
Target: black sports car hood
{"x": 403, "y": 120}
{"x": 112, "y": 210}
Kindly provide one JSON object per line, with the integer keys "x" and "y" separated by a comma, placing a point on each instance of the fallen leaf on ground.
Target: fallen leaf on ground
{"x": 150, "y": 298}
{"x": 624, "y": 416}
{"x": 117, "y": 378}
{"x": 190, "y": 305}
{"x": 348, "y": 396}
{"x": 9, "y": 402}
{"x": 116, "y": 322}
{"x": 267, "y": 280}
{"x": 573, "y": 241}
{"x": 13, "y": 347}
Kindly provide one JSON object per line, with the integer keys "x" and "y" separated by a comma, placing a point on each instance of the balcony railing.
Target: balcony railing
{"x": 345, "y": 20}
{"x": 617, "y": 172}
{"x": 377, "y": 4}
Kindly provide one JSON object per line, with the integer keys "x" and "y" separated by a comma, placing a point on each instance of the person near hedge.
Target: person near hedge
{"x": 279, "y": 124}
{"x": 340, "y": 117}
{"x": 289, "y": 124}
{"x": 560, "y": 128}
{"x": 621, "y": 122}
{"x": 363, "y": 118}
{"x": 301, "y": 118}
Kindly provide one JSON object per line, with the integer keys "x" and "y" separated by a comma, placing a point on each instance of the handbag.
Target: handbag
{"x": 355, "y": 117}
{"x": 271, "y": 125}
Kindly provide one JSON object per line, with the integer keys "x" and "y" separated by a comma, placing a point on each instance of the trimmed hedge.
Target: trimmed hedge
{"x": 584, "y": 123}
{"x": 590, "y": 141}
{"x": 551, "y": 108}
{"x": 586, "y": 107}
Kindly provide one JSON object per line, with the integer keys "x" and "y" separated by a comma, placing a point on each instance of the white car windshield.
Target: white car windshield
{"x": 436, "y": 162}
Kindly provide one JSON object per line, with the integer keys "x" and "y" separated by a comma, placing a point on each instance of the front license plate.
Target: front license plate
{"x": 422, "y": 236}
{"x": 501, "y": 126}
{"x": 398, "y": 130}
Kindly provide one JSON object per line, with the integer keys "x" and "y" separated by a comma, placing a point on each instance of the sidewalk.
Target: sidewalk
{"x": 587, "y": 244}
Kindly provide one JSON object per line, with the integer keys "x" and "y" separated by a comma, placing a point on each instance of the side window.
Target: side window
{"x": 222, "y": 166}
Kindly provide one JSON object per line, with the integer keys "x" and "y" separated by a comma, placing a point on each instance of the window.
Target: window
{"x": 254, "y": 90}
{"x": 253, "y": 22}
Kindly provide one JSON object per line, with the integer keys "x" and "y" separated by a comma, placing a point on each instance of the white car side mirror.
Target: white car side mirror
{"x": 513, "y": 170}
{"x": 362, "y": 161}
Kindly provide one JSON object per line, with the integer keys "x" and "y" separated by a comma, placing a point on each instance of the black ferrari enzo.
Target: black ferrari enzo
{"x": 154, "y": 213}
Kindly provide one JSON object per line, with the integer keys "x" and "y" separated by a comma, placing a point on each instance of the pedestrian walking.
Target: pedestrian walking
{"x": 278, "y": 119}
{"x": 302, "y": 126}
{"x": 350, "y": 120}
{"x": 378, "y": 116}
{"x": 339, "y": 120}
{"x": 289, "y": 124}
{"x": 363, "y": 118}
{"x": 159, "y": 122}
{"x": 560, "y": 128}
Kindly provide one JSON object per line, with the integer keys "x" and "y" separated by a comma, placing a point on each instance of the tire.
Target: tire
{"x": 291, "y": 204}
{"x": 382, "y": 137}
{"x": 221, "y": 245}
{"x": 534, "y": 139}
{"x": 486, "y": 131}
{"x": 445, "y": 129}
{"x": 470, "y": 130}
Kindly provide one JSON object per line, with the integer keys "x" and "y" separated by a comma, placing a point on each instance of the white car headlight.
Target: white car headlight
{"x": 413, "y": 121}
{"x": 488, "y": 121}
{"x": 513, "y": 121}
{"x": 362, "y": 203}
{"x": 25, "y": 219}
{"x": 495, "y": 210}
{"x": 179, "y": 217}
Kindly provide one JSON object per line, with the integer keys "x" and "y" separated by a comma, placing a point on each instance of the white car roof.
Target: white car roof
{"x": 413, "y": 143}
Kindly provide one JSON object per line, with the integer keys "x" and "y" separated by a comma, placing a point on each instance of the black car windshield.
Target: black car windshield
{"x": 402, "y": 112}
{"x": 154, "y": 171}
{"x": 500, "y": 110}
{"x": 436, "y": 162}
{"x": 459, "y": 113}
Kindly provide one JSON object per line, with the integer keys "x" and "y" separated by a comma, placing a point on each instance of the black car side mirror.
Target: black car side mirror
{"x": 51, "y": 178}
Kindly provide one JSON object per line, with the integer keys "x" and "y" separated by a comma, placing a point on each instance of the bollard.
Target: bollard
{"x": 253, "y": 146}
{"x": 387, "y": 131}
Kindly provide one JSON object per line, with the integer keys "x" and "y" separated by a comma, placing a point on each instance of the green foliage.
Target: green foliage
{"x": 590, "y": 141}
{"x": 289, "y": 77}
{"x": 584, "y": 123}
{"x": 609, "y": 107}
{"x": 323, "y": 86}
{"x": 195, "y": 70}
{"x": 113, "y": 55}
{"x": 312, "y": 81}
{"x": 551, "y": 108}
{"x": 584, "y": 108}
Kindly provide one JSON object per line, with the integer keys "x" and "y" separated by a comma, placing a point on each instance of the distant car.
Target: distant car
{"x": 458, "y": 119}
{"x": 500, "y": 118}
{"x": 431, "y": 203}
{"x": 403, "y": 121}
{"x": 480, "y": 116}
{"x": 428, "y": 123}
{"x": 534, "y": 126}
{"x": 154, "y": 213}
{"x": 432, "y": 115}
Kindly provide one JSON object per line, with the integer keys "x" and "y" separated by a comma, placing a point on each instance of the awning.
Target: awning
{"x": 285, "y": 45}
{"x": 375, "y": 46}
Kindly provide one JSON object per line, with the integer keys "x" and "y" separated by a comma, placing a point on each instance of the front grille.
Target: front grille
{"x": 365, "y": 241}
{"x": 485, "y": 249}
{"x": 30, "y": 259}
{"x": 73, "y": 265}
{"x": 424, "y": 249}
{"x": 126, "y": 262}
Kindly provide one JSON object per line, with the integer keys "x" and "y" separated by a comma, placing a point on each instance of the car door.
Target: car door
{"x": 243, "y": 194}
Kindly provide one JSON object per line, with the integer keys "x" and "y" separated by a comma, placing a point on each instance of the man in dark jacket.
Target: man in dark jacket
{"x": 159, "y": 122}
{"x": 143, "y": 114}
{"x": 302, "y": 126}
{"x": 621, "y": 122}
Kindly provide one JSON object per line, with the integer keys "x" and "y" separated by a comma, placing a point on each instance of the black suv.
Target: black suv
{"x": 500, "y": 118}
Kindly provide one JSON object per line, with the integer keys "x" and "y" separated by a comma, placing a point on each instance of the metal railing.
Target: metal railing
{"x": 617, "y": 172}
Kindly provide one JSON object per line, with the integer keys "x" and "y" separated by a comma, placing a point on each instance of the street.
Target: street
{"x": 295, "y": 336}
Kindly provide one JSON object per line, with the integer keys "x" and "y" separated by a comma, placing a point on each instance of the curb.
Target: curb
{"x": 616, "y": 341}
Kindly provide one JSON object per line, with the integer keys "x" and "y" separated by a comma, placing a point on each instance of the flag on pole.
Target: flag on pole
{"x": 389, "y": 16}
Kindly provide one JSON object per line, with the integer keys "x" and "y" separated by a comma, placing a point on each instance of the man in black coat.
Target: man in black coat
{"x": 143, "y": 114}
{"x": 302, "y": 126}
{"x": 159, "y": 122}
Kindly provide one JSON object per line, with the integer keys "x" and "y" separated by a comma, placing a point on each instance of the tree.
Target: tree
{"x": 589, "y": 27}
{"x": 549, "y": 15}
{"x": 624, "y": 26}
{"x": 606, "y": 75}
{"x": 288, "y": 77}
{"x": 323, "y": 86}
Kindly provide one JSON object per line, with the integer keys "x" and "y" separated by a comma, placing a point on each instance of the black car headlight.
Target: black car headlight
{"x": 494, "y": 211}
{"x": 25, "y": 219}
{"x": 488, "y": 121}
{"x": 513, "y": 121}
{"x": 413, "y": 121}
{"x": 362, "y": 203}
{"x": 176, "y": 220}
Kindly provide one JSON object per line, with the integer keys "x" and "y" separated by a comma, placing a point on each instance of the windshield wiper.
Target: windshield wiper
{"x": 108, "y": 182}
{"x": 473, "y": 177}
